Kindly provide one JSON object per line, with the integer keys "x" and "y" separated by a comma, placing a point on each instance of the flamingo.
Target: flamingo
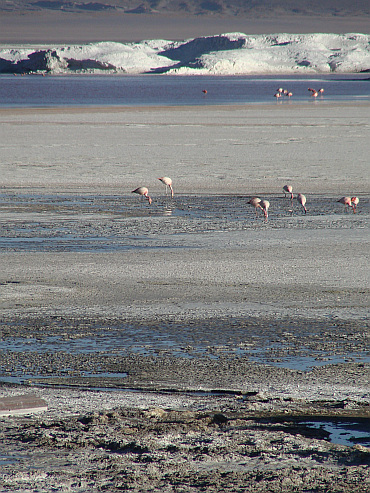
{"x": 290, "y": 94}
{"x": 347, "y": 203}
{"x": 321, "y": 90}
{"x": 355, "y": 201}
{"x": 265, "y": 204}
{"x": 288, "y": 189}
{"x": 168, "y": 182}
{"x": 204, "y": 91}
{"x": 302, "y": 200}
{"x": 255, "y": 201}
{"x": 315, "y": 94}
{"x": 144, "y": 192}
{"x": 277, "y": 95}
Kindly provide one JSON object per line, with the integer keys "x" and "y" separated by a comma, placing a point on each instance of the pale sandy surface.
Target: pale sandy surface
{"x": 320, "y": 148}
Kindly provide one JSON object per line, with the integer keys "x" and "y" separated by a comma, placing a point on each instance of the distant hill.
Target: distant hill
{"x": 228, "y": 8}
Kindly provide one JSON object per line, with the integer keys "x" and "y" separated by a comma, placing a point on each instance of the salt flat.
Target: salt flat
{"x": 320, "y": 148}
{"x": 304, "y": 265}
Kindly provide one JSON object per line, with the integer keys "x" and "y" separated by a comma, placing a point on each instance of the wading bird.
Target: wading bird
{"x": 288, "y": 189}
{"x": 265, "y": 204}
{"x": 355, "y": 201}
{"x": 144, "y": 192}
{"x": 347, "y": 203}
{"x": 302, "y": 200}
{"x": 168, "y": 182}
{"x": 255, "y": 201}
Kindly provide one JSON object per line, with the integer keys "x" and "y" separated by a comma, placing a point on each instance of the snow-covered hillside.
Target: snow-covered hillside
{"x": 225, "y": 54}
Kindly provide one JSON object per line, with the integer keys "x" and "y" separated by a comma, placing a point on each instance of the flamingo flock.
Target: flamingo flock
{"x": 281, "y": 92}
{"x": 286, "y": 93}
{"x": 264, "y": 204}
{"x": 144, "y": 192}
{"x": 315, "y": 93}
{"x": 256, "y": 202}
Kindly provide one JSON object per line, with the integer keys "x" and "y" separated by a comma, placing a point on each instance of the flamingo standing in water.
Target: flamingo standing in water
{"x": 144, "y": 192}
{"x": 265, "y": 204}
{"x": 255, "y": 201}
{"x": 347, "y": 203}
{"x": 168, "y": 182}
{"x": 355, "y": 201}
{"x": 302, "y": 200}
{"x": 288, "y": 189}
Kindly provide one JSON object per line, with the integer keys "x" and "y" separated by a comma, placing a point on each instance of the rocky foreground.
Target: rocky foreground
{"x": 182, "y": 441}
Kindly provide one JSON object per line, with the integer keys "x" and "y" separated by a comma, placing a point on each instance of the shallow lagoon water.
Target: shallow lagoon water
{"x": 344, "y": 432}
{"x": 110, "y": 223}
{"x": 149, "y": 90}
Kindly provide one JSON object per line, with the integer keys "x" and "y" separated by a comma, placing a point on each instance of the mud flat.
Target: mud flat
{"x": 186, "y": 346}
{"x": 257, "y": 435}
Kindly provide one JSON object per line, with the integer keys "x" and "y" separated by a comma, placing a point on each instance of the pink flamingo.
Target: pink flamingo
{"x": 255, "y": 201}
{"x": 144, "y": 192}
{"x": 302, "y": 200}
{"x": 315, "y": 94}
{"x": 290, "y": 94}
{"x": 168, "y": 182}
{"x": 204, "y": 91}
{"x": 355, "y": 201}
{"x": 277, "y": 95}
{"x": 265, "y": 204}
{"x": 321, "y": 90}
{"x": 347, "y": 203}
{"x": 288, "y": 189}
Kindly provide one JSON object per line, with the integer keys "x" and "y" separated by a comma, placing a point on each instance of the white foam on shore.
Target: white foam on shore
{"x": 224, "y": 54}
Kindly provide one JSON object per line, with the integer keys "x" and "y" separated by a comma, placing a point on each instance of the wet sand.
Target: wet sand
{"x": 197, "y": 309}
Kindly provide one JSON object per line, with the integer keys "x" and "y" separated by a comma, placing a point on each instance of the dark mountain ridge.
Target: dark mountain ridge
{"x": 255, "y": 8}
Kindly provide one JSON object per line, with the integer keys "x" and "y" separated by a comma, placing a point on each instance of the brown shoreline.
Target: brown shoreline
{"x": 69, "y": 28}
